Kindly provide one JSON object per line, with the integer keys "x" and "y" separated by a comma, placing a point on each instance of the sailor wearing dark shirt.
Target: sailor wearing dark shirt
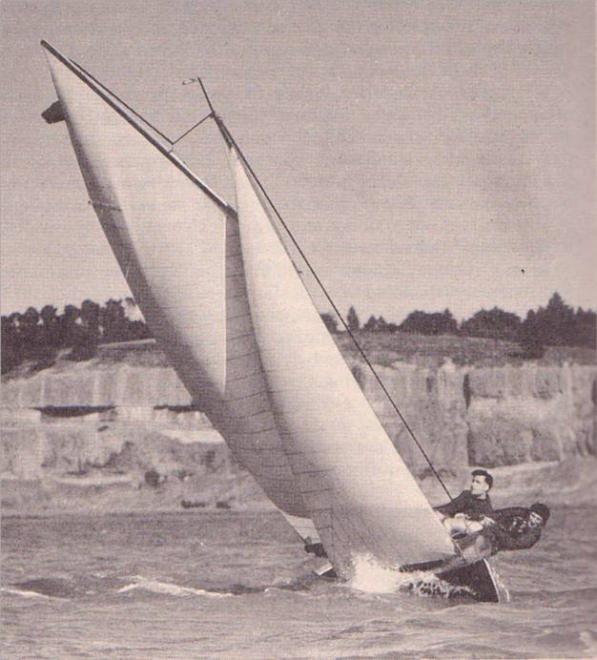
{"x": 515, "y": 528}
{"x": 473, "y": 503}
{"x": 463, "y": 513}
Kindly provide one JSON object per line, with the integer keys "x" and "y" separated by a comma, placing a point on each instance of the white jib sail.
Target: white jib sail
{"x": 356, "y": 488}
{"x": 178, "y": 247}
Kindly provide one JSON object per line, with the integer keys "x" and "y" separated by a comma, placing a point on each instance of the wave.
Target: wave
{"x": 24, "y": 593}
{"x": 65, "y": 589}
{"x": 44, "y": 588}
{"x": 589, "y": 641}
{"x": 167, "y": 588}
{"x": 138, "y": 582}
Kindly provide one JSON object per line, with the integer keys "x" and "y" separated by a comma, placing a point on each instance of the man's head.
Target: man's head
{"x": 481, "y": 483}
{"x": 539, "y": 514}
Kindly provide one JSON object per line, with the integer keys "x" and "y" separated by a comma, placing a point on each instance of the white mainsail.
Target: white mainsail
{"x": 358, "y": 491}
{"x": 178, "y": 247}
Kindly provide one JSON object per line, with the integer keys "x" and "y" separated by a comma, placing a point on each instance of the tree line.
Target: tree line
{"x": 39, "y": 335}
{"x": 556, "y": 324}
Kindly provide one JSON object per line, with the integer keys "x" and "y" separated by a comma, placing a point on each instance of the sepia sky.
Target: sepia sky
{"x": 425, "y": 154}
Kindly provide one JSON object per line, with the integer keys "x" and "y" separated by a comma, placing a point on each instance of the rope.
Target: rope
{"x": 193, "y": 127}
{"x": 229, "y": 139}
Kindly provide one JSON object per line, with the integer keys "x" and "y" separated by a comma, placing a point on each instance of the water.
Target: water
{"x": 194, "y": 584}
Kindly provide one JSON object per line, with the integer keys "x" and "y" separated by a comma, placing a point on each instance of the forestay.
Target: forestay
{"x": 356, "y": 488}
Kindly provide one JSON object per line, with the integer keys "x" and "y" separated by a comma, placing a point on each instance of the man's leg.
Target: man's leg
{"x": 459, "y": 525}
{"x": 475, "y": 546}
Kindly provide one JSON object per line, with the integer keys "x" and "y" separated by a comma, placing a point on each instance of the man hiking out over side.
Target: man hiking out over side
{"x": 514, "y": 528}
{"x": 463, "y": 514}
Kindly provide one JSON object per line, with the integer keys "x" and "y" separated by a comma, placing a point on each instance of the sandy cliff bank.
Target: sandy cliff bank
{"x": 119, "y": 432}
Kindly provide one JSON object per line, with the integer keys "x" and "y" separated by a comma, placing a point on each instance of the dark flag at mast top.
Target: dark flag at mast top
{"x": 54, "y": 113}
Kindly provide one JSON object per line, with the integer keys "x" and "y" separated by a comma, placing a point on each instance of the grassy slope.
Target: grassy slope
{"x": 385, "y": 348}
{"x": 380, "y": 348}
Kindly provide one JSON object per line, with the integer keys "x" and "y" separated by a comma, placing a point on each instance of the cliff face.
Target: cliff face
{"x": 124, "y": 416}
{"x": 488, "y": 416}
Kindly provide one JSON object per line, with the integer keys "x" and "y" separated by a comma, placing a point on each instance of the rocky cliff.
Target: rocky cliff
{"x": 488, "y": 416}
{"x": 129, "y": 423}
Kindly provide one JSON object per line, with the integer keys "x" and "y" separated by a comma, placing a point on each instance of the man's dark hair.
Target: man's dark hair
{"x": 483, "y": 473}
{"x": 542, "y": 510}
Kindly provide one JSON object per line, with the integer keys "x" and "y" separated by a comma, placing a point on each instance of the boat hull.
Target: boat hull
{"x": 480, "y": 578}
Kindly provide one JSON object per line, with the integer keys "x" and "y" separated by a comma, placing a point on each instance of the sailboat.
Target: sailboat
{"x": 226, "y": 304}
